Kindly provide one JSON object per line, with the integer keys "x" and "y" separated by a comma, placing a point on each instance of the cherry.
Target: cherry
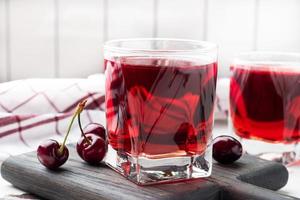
{"x": 95, "y": 128}
{"x": 50, "y": 153}
{"x": 92, "y": 146}
{"x": 226, "y": 149}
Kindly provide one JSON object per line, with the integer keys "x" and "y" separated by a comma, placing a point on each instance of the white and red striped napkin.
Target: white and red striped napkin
{"x": 32, "y": 110}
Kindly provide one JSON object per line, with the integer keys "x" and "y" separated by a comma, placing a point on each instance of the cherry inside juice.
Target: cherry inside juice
{"x": 265, "y": 103}
{"x": 159, "y": 107}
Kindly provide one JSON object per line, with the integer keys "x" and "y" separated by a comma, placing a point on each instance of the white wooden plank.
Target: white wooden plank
{"x": 231, "y": 26}
{"x": 181, "y": 19}
{"x": 2, "y": 41}
{"x": 80, "y": 37}
{"x": 278, "y": 25}
{"x": 32, "y": 43}
{"x": 130, "y": 18}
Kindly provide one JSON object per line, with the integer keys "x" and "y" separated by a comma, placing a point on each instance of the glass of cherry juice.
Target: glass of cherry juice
{"x": 160, "y": 97}
{"x": 265, "y": 103}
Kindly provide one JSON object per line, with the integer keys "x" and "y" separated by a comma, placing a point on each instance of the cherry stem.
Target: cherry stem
{"x": 77, "y": 112}
{"x": 82, "y": 132}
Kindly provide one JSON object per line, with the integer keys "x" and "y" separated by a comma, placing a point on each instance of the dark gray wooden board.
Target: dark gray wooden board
{"x": 249, "y": 178}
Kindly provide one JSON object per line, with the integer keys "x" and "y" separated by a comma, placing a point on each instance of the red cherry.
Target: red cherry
{"x": 226, "y": 149}
{"x": 91, "y": 148}
{"x": 92, "y": 145}
{"x": 49, "y": 154}
{"x": 95, "y": 128}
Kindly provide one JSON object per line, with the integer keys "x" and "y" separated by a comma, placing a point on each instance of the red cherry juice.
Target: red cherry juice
{"x": 265, "y": 103}
{"x": 159, "y": 107}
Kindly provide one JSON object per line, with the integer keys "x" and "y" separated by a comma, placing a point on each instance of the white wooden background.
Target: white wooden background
{"x": 64, "y": 38}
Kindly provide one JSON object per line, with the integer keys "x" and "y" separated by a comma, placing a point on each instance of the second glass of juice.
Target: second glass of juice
{"x": 160, "y": 97}
{"x": 265, "y": 103}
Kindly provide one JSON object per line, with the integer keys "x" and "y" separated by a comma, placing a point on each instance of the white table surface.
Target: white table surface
{"x": 8, "y": 192}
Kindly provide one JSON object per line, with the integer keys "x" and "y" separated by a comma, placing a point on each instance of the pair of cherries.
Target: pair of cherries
{"x": 91, "y": 146}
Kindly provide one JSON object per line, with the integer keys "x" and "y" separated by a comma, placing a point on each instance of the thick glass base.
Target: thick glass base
{"x": 144, "y": 171}
{"x": 284, "y": 153}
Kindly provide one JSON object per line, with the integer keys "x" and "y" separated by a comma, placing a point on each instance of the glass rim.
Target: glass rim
{"x": 199, "y": 46}
{"x": 257, "y": 59}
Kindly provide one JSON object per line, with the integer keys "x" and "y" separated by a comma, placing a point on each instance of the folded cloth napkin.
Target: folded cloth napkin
{"x": 33, "y": 110}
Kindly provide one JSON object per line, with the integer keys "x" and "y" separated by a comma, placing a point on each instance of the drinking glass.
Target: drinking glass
{"x": 265, "y": 103}
{"x": 160, "y": 97}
